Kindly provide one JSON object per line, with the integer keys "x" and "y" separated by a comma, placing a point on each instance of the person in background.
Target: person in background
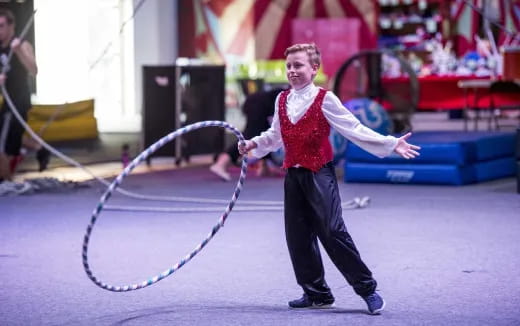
{"x": 15, "y": 80}
{"x": 258, "y": 109}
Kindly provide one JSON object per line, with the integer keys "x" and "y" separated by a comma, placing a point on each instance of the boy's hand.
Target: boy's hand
{"x": 15, "y": 43}
{"x": 406, "y": 150}
{"x": 245, "y": 147}
{"x": 2, "y": 79}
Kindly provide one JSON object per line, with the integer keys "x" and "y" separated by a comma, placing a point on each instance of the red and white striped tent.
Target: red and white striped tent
{"x": 261, "y": 29}
{"x": 468, "y": 21}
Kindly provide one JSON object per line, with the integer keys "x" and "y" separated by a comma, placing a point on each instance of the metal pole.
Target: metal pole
{"x": 178, "y": 112}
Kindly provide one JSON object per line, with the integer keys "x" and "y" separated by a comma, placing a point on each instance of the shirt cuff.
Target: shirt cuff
{"x": 258, "y": 152}
{"x": 391, "y": 144}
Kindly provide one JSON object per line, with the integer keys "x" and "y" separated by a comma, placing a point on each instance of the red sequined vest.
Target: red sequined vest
{"x": 306, "y": 142}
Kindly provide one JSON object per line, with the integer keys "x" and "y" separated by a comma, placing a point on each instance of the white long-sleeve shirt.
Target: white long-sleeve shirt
{"x": 339, "y": 118}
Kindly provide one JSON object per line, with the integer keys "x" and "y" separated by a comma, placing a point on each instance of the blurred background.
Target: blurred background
{"x": 123, "y": 73}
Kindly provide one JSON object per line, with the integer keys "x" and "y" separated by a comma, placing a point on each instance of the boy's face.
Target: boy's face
{"x": 300, "y": 72}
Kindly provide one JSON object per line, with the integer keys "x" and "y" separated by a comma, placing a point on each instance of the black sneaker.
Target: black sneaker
{"x": 375, "y": 303}
{"x": 306, "y": 302}
{"x": 43, "y": 156}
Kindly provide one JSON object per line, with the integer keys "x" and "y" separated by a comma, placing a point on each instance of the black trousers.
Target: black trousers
{"x": 313, "y": 211}
{"x": 12, "y": 142}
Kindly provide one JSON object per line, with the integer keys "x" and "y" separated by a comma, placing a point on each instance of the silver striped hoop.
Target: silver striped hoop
{"x": 117, "y": 182}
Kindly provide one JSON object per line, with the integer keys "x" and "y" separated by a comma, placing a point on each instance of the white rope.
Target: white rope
{"x": 357, "y": 202}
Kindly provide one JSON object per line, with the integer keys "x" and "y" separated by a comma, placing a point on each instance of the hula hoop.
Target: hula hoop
{"x": 141, "y": 157}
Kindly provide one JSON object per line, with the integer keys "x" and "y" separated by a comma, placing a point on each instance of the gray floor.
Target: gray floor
{"x": 442, "y": 256}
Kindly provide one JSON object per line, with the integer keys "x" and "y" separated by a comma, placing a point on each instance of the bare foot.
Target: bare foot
{"x": 220, "y": 172}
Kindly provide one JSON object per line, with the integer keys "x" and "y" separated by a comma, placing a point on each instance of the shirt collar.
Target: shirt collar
{"x": 305, "y": 90}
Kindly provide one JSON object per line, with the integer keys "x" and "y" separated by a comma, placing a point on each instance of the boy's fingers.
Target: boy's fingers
{"x": 405, "y": 137}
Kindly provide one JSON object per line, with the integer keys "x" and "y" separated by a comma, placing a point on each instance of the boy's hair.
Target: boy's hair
{"x": 310, "y": 48}
{"x": 8, "y": 14}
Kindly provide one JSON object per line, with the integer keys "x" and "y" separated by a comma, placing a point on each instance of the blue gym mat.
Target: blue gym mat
{"x": 447, "y": 157}
{"x": 447, "y": 147}
{"x": 447, "y": 174}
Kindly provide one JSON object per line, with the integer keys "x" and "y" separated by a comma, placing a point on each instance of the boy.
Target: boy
{"x": 302, "y": 120}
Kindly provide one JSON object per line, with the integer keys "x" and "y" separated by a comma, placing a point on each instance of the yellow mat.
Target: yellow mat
{"x": 71, "y": 121}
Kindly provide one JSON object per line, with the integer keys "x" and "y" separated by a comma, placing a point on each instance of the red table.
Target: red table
{"x": 445, "y": 93}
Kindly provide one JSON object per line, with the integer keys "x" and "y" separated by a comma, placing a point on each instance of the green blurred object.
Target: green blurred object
{"x": 271, "y": 71}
